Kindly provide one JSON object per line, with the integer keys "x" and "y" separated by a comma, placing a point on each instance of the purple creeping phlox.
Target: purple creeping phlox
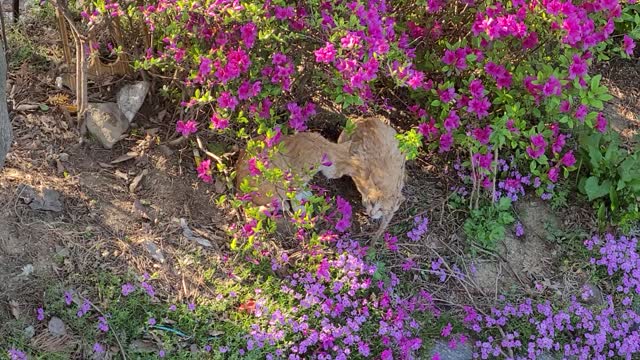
{"x": 335, "y": 306}
{"x": 15, "y": 354}
{"x": 127, "y": 289}
{"x": 421, "y": 225}
{"x": 84, "y": 308}
{"x": 40, "y": 314}
{"x": 577, "y": 330}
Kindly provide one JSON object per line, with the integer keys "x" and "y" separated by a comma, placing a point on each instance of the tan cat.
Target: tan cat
{"x": 303, "y": 154}
{"x": 377, "y": 167}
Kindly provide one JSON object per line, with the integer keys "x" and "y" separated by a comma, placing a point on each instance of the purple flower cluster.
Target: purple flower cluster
{"x": 577, "y": 331}
{"x": 421, "y": 227}
{"x": 335, "y": 309}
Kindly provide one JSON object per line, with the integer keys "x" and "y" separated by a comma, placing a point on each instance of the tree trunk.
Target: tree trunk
{"x": 5, "y": 124}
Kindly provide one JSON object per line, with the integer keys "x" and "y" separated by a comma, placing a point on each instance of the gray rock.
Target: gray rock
{"x": 131, "y": 97}
{"x": 48, "y": 201}
{"x": 106, "y": 122}
{"x": 595, "y": 297}
{"x": 29, "y": 332}
{"x": 56, "y": 327}
{"x": 461, "y": 352}
{"x": 154, "y": 251}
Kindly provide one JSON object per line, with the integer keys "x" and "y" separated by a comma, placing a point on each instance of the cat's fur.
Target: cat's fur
{"x": 377, "y": 167}
{"x": 302, "y": 154}
{"x": 370, "y": 154}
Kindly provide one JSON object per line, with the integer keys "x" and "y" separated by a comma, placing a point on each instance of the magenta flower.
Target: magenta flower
{"x": 558, "y": 144}
{"x": 219, "y": 123}
{"x": 186, "y": 128}
{"x": 273, "y": 139}
{"x": 553, "y": 174}
{"x": 578, "y": 68}
{"x": 391, "y": 242}
{"x": 479, "y": 106}
{"x": 511, "y": 126}
{"x": 247, "y": 90}
{"x": 552, "y": 87}
{"x": 253, "y": 167}
{"x": 428, "y": 130}
{"x": 204, "y": 173}
{"x": 325, "y": 54}
{"x": 191, "y": 306}
{"x": 476, "y": 88}
{"x": 568, "y": 159}
{"x": 581, "y": 112}
{"x": 446, "y": 140}
{"x": 323, "y": 270}
{"x": 204, "y": 70}
{"x": 227, "y": 101}
{"x": 344, "y": 208}
{"x": 482, "y": 134}
{"x": 452, "y": 121}
{"x": 538, "y": 145}
{"x": 601, "y": 123}
{"x": 408, "y": 264}
{"x": 152, "y": 321}
{"x": 447, "y": 95}
{"x": 628, "y": 45}
{"x": 446, "y": 331}
{"x": 248, "y": 33}
{"x": 565, "y": 106}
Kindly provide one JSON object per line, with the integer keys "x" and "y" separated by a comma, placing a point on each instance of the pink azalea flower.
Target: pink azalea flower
{"x": 446, "y": 140}
{"x": 253, "y": 167}
{"x": 204, "y": 171}
{"x": 227, "y": 101}
{"x": 568, "y": 159}
{"x": 218, "y": 122}
{"x": 325, "y": 54}
{"x": 553, "y": 174}
{"x": 601, "y": 123}
{"x": 482, "y": 134}
{"x": 628, "y": 45}
{"x": 186, "y": 128}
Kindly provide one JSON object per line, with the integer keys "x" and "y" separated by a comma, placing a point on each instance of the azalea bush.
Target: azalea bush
{"x": 488, "y": 82}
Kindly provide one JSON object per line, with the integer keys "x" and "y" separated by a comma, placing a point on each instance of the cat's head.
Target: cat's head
{"x": 381, "y": 193}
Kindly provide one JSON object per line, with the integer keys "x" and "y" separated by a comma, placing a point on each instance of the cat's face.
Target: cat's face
{"x": 381, "y": 196}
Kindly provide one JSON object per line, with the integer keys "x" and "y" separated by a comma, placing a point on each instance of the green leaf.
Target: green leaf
{"x": 504, "y": 204}
{"x": 613, "y": 196}
{"x": 595, "y": 190}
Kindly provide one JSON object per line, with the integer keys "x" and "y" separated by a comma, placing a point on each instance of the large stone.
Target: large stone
{"x": 106, "y": 122}
{"x": 57, "y": 327}
{"x": 131, "y": 97}
{"x": 48, "y": 201}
